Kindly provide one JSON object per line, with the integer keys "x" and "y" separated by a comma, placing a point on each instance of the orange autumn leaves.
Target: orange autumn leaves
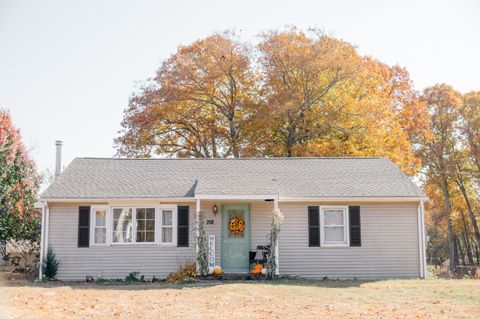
{"x": 294, "y": 93}
{"x": 451, "y": 169}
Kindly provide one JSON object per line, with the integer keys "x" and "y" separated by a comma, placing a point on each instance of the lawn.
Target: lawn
{"x": 432, "y": 298}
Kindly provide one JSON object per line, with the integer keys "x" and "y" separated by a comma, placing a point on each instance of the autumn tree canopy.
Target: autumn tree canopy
{"x": 451, "y": 174}
{"x": 200, "y": 104}
{"x": 294, "y": 94}
{"x": 19, "y": 183}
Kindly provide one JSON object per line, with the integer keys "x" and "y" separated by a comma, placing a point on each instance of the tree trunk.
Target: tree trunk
{"x": 468, "y": 247}
{"x": 234, "y": 140}
{"x": 471, "y": 215}
{"x": 461, "y": 254}
{"x": 3, "y": 248}
{"x": 290, "y": 142}
{"x": 452, "y": 239}
{"x": 476, "y": 251}
{"x": 466, "y": 239}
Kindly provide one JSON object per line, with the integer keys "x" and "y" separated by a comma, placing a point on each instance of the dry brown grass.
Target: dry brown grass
{"x": 432, "y": 298}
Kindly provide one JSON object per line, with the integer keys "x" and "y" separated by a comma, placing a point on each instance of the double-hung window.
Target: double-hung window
{"x": 145, "y": 225}
{"x": 99, "y": 216}
{"x": 168, "y": 219}
{"x": 334, "y": 221}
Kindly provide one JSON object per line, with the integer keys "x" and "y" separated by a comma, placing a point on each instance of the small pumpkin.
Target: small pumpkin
{"x": 257, "y": 269}
{"x": 217, "y": 271}
{"x": 264, "y": 271}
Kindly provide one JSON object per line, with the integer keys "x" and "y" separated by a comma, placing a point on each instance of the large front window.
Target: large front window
{"x": 139, "y": 225}
{"x": 334, "y": 224}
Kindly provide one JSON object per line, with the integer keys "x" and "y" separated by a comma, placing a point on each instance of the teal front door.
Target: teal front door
{"x": 235, "y": 238}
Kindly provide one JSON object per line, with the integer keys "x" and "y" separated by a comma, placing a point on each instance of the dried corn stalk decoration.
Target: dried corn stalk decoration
{"x": 202, "y": 253}
{"x": 277, "y": 221}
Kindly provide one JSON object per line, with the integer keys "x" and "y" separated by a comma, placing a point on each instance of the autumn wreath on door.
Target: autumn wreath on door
{"x": 236, "y": 226}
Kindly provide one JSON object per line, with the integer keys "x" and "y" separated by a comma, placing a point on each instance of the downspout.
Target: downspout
{"x": 421, "y": 255}
{"x": 424, "y": 239}
{"x": 42, "y": 241}
{"x": 47, "y": 222}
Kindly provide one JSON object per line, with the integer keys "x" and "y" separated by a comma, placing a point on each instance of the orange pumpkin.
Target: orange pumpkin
{"x": 217, "y": 271}
{"x": 257, "y": 270}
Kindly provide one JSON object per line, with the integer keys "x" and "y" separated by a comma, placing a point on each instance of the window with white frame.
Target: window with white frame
{"x": 334, "y": 225}
{"x": 122, "y": 226}
{"x": 145, "y": 225}
{"x": 100, "y": 225}
{"x": 167, "y": 226}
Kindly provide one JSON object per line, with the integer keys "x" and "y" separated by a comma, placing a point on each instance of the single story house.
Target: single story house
{"x": 343, "y": 217}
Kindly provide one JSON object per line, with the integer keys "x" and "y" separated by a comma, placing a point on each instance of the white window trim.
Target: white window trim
{"x": 93, "y": 225}
{"x": 155, "y": 232}
{"x": 159, "y": 221}
{"x": 134, "y": 226}
{"x": 346, "y": 232}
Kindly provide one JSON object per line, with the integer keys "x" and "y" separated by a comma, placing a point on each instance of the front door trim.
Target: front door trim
{"x": 222, "y": 232}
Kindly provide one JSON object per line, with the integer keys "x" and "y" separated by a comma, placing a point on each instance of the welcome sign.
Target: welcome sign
{"x": 211, "y": 251}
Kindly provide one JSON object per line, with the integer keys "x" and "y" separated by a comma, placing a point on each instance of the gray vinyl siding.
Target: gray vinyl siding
{"x": 114, "y": 261}
{"x": 260, "y": 221}
{"x": 389, "y": 244}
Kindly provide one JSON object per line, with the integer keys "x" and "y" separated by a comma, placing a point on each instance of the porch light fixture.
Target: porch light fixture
{"x": 215, "y": 210}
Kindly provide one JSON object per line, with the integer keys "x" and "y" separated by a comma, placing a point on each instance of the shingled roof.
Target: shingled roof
{"x": 105, "y": 178}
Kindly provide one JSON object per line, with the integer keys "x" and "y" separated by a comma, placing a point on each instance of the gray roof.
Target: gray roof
{"x": 93, "y": 178}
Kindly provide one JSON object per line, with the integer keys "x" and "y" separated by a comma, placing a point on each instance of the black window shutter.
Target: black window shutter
{"x": 313, "y": 226}
{"x": 355, "y": 232}
{"x": 84, "y": 226}
{"x": 182, "y": 226}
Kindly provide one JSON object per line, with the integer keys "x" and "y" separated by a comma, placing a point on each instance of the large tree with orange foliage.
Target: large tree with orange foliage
{"x": 202, "y": 103}
{"x": 327, "y": 100}
{"x": 451, "y": 175}
{"x": 295, "y": 94}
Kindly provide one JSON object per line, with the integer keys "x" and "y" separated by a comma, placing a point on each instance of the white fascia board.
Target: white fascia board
{"x": 351, "y": 199}
{"x": 115, "y": 200}
{"x": 235, "y": 197}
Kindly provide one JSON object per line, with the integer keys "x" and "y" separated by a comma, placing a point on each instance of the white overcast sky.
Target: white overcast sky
{"x": 67, "y": 68}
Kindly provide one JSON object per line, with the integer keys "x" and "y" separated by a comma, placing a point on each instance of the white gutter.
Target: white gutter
{"x": 238, "y": 197}
{"x": 112, "y": 200}
{"x": 351, "y": 199}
